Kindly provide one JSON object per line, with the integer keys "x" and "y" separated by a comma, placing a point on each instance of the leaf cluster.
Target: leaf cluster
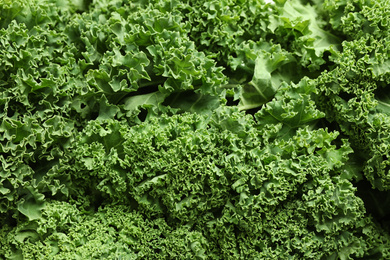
{"x": 231, "y": 129}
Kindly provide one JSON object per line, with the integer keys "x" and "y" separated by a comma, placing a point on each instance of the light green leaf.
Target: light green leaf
{"x": 266, "y": 80}
{"x": 131, "y": 104}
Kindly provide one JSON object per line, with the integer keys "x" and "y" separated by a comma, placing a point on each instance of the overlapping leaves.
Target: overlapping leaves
{"x": 207, "y": 129}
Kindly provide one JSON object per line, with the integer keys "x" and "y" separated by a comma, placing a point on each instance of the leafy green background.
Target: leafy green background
{"x": 199, "y": 129}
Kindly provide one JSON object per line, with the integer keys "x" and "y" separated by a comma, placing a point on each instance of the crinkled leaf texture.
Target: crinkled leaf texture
{"x": 222, "y": 129}
{"x": 227, "y": 193}
{"x": 354, "y": 94}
